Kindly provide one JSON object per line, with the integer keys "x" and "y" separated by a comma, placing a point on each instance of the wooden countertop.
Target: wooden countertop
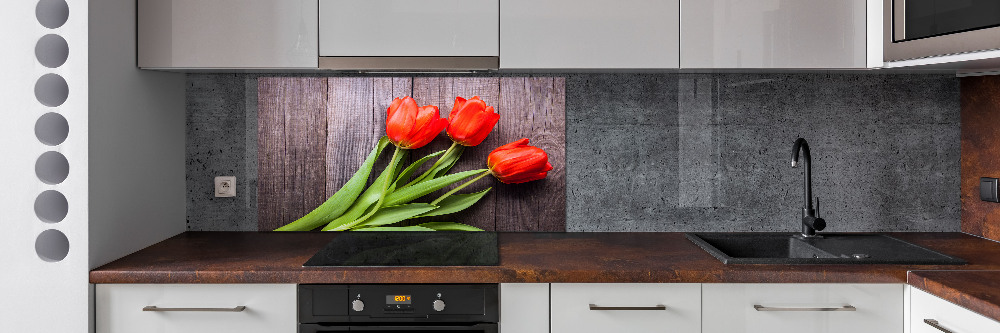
{"x": 277, "y": 257}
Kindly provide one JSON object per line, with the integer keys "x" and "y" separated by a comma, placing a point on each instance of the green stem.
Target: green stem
{"x": 436, "y": 201}
{"x": 385, "y": 188}
{"x": 436, "y": 163}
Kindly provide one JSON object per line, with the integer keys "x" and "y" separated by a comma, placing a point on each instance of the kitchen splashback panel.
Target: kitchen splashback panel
{"x": 664, "y": 151}
{"x": 314, "y": 133}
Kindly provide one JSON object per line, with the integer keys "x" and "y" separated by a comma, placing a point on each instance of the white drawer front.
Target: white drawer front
{"x": 269, "y": 308}
{"x": 951, "y": 317}
{"x": 571, "y": 311}
{"x": 729, "y": 308}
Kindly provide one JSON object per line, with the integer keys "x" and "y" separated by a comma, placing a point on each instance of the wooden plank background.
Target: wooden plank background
{"x": 314, "y": 133}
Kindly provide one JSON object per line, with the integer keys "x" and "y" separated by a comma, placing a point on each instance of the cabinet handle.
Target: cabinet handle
{"x": 759, "y": 307}
{"x": 630, "y": 308}
{"x": 935, "y": 324}
{"x": 233, "y": 309}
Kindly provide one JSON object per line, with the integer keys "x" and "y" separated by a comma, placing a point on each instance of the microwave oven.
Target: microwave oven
{"x": 915, "y": 29}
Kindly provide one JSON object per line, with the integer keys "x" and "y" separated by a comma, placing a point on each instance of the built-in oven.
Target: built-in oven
{"x": 927, "y": 28}
{"x": 466, "y": 308}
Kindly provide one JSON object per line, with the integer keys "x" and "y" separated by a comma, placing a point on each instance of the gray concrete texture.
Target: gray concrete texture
{"x": 712, "y": 152}
{"x": 683, "y": 152}
{"x": 221, "y": 141}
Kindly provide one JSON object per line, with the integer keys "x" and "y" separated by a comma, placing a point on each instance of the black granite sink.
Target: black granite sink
{"x": 786, "y": 248}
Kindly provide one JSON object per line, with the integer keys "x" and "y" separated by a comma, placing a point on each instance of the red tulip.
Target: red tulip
{"x": 517, "y": 162}
{"x": 412, "y": 127}
{"x": 471, "y": 121}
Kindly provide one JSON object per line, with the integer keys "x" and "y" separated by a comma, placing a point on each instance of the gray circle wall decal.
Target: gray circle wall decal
{"x": 52, "y": 245}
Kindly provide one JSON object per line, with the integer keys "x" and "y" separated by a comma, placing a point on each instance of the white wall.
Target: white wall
{"x": 36, "y": 295}
{"x": 136, "y": 141}
{"x": 125, "y": 126}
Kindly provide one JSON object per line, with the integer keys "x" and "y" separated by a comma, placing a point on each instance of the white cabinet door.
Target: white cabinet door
{"x": 774, "y": 34}
{"x": 227, "y": 34}
{"x": 951, "y": 317}
{"x": 269, "y": 308}
{"x": 409, "y": 28}
{"x": 781, "y": 308}
{"x": 626, "y": 307}
{"x": 524, "y": 308}
{"x": 585, "y": 34}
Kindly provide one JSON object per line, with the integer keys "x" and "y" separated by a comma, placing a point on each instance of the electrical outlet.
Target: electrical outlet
{"x": 225, "y": 186}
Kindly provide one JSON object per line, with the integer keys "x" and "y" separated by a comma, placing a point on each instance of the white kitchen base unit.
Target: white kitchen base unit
{"x": 524, "y": 308}
{"x": 196, "y": 308}
{"x": 626, "y": 307}
{"x": 930, "y": 314}
{"x": 802, "y": 308}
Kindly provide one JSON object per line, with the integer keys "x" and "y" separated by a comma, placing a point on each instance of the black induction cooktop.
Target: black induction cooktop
{"x": 409, "y": 248}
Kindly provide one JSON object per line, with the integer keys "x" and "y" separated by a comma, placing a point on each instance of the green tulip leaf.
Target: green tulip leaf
{"x": 423, "y": 188}
{"x": 446, "y": 165}
{"x": 441, "y": 167}
{"x": 393, "y": 214}
{"x": 365, "y": 202}
{"x": 456, "y": 203}
{"x": 339, "y": 202}
{"x": 449, "y": 226}
{"x": 405, "y": 175}
{"x": 409, "y": 228}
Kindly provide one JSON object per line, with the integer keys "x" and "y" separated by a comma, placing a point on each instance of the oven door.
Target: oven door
{"x": 926, "y": 28}
{"x": 473, "y": 328}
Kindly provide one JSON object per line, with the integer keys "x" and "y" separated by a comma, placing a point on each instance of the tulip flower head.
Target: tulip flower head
{"x": 517, "y": 162}
{"x": 412, "y": 127}
{"x": 470, "y": 121}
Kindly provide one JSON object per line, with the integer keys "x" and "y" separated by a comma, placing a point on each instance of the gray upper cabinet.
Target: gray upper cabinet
{"x": 409, "y": 28}
{"x": 221, "y": 34}
{"x": 778, "y": 34}
{"x": 509, "y": 34}
{"x": 585, "y": 34}
{"x": 409, "y": 34}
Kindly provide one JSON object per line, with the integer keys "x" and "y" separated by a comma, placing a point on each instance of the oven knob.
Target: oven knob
{"x": 439, "y": 305}
{"x": 358, "y": 305}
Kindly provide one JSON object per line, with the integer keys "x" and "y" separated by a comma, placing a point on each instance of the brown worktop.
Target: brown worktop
{"x": 277, "y": 257}
{"x": 978, "y": 291}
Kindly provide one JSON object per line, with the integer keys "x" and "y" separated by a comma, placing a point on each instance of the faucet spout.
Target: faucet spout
{"x": 810, "y": 222}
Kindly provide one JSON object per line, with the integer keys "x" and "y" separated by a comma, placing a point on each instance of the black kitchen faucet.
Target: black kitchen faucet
{"x": 810, "y": 222}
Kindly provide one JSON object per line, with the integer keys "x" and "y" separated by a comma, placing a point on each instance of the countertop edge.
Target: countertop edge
{"x": 936, "y": 283}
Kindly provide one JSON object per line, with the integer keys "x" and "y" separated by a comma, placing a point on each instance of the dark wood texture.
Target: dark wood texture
{"x": 348, "y": 114}
{"x": 277, "y": 257}
{"x": 291, "y": 148}
{"x": 543, "y": 121}
{"x": 978, "y": 291}
{"x": 980, "y": 153}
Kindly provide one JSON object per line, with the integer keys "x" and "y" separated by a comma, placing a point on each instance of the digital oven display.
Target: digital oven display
{"x": 397, "y": 299}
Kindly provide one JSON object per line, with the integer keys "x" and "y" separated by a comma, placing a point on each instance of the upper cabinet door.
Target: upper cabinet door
{"x": 227, "y": 34}
{"x": 582, "y": 34}
{"x": 409, "y": 28}
{"x": 774, "y": 34}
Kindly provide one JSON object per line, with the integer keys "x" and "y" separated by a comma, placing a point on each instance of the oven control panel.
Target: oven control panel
{"x": 399, "y": 303}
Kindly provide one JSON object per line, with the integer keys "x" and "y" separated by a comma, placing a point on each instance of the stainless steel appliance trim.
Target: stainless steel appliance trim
{"x": 962, "y": 42}
{"x": 158, "y": 309}
{"x": 934, "y": 323}
{"x": 627, "y": 308}
{"x": 409, "y": 63}
{"x": 759, "y": 307}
